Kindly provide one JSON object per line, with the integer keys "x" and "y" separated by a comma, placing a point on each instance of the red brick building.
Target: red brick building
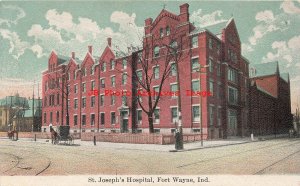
{"x": 270, "y": 102}
{"x": 223, "y": 114}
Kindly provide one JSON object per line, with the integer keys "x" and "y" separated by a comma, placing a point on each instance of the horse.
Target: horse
{"x": 11, "y": 134}
{"x": 53, "y": 136}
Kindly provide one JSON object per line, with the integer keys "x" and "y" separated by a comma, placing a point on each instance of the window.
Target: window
{"x": 174, "y": 89}
{"x": 156, "y": 116}
{"x": 155, "y": 90}
{"x": 173, "y": 69}
{"x": 156, "y": 72}
{"x": 174, "y": 114}
{"x": 75, "y": 103}
{"x": 194, "y": 41}
{"x": 124, "y": 100}
{"x": 83, "y": 87}
{"x": 168, "y": 30}
{"x": 45, "y": 117}
{"x": 113, "y": 81}
{"x": 101, "y": 100}
{"x": 139, "y": 74}
{"x": 74, "y": 74}
{"x": 156, "y": 51}
{"x": 219, "y": 114}
{"x": 232, "y": 75}
{"x": 83, "y": 71}
{"x": 92, "y": 119}
{"x": 75, "y": 120}
{"x": 45, "y": 102}
{"x": 161, "y": 32}
{"x": 232, "y": 95}
{"x": 75, "y": 89}
{"x": 92, "y": 101}
{"x": 124, "y": 79}
{"x": 211, "y": 87}
{"x": 195, "y": 64}
{"x": 68, "y": 89}
{"x": 196, "y": 113}
{"x": 57, "y": 117}
{"x": 218, "y": 69}
{"x": 218, "y": 48}
{"x": 124, "y": 63}
{"x": 232, "y": 119}
{"x": 57, "y": 99}
{"x": 195, "y": 85}
{"x": 219, "y": 91}
{"x": 69, "y": 76}
{"x": 112, "y": 117}
{"x": 103, "y": 67}
{"x": 173, "y": 45}
{"x": 211, "y": 115}
{"x": 112, "y": 100}
{"x": 210, "y": 43}
{"x": 83, "y": 102}
{"x": 139, "y": 116}
{"x": 102, "y": 118}
{"x": 68, "y": 103}
{"x": 93, "y": 85}
{"x": 50, "y": 117}
{"x": 211, "y": 65}
{"x": 102, "y": 83}
{"x": 83, "y": 119}
{"x": 112, "y": 65}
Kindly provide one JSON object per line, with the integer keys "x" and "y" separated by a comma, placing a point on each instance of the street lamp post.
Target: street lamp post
{"x": 200, "y": 107}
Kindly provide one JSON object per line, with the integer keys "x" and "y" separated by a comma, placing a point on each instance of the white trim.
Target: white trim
{"x": 194, "y": 57}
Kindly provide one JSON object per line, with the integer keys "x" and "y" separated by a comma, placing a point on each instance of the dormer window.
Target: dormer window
{"x": 161, "y": 32}
{"x": 156, "y": 51}
{"x": 168, "y": 30}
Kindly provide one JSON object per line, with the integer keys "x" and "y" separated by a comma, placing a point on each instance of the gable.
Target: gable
{"x": 232, "y": 33}
{"x": 164, "y": 13}
{"x": 107, "y": 55}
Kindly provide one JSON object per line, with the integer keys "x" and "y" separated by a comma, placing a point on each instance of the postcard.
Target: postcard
{"x": 149, "y": 93}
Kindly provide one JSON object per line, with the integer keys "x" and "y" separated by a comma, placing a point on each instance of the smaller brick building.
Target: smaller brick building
{"x": 269, "y": 100}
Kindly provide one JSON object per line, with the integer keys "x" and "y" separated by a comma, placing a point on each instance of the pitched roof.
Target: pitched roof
{"x": 62, "y": 59}
{"x": 265, "y": 69}
{"x": 285, "y": 76}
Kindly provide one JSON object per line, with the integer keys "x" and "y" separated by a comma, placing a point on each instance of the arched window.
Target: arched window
{"x": 156, "y": 51}
{"x": 168, "y": 30}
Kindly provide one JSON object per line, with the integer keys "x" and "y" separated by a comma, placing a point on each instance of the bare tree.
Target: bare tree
{"x": 169, "y": 54}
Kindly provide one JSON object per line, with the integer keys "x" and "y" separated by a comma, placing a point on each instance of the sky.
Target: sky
{"x": 29, "y": 31}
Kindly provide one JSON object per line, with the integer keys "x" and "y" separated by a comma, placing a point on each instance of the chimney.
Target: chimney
{"x": 90, "y": 49}
{"x": 184, "y": 12}
{"x": 148, "y": 23}
{"x": 109, "y": 41}
{"x": 73, "y": 55}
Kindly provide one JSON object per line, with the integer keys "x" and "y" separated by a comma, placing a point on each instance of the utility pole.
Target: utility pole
{"x": 178, "y": 134}
{"x": 200, "y": 107}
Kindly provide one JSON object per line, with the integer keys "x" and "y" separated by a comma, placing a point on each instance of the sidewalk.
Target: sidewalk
{"x": 163, "y": 148}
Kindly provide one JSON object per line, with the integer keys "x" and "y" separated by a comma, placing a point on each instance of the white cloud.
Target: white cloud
{"x": 268, "y": 23}
{"x": 203, "y": 20}
{"x": 246, "y": 48}
{"x": 13, "y": 13}
{"x": 287, "y": 52}
{"x": 66, "y": 34}
{"x": 289, "y": 7}
{"x": 38, "y": 50}
{"x": 60, "y": 21}
{"x": 17, "y": 46}
{"x": 265, "y": 16}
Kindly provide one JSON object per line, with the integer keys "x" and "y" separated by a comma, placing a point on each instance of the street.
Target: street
{"x": 277, "y": 156}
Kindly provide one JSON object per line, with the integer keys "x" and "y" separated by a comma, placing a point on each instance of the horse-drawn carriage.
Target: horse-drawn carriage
{"x": 62, "y": 134}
